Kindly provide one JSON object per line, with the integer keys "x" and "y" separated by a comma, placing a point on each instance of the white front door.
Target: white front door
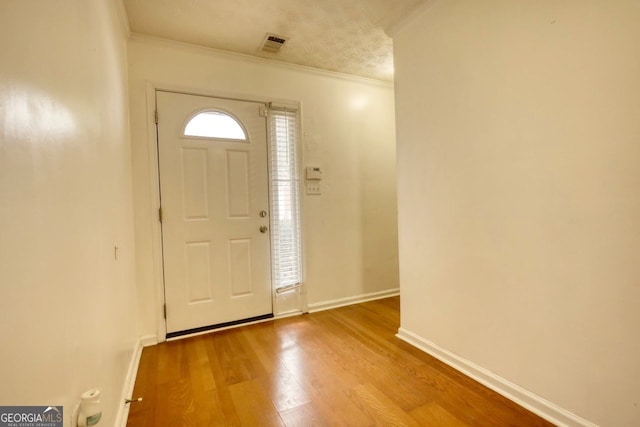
{"x": 215, "y": 205}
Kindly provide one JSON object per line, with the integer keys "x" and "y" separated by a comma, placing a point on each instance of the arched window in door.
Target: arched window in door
{"x": 215, "y": 124}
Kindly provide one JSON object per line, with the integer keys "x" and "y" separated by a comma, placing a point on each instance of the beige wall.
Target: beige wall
{"x": 348, "y": 130}
{"x": 519, "y": 194}
{"x": 68, "y": 307}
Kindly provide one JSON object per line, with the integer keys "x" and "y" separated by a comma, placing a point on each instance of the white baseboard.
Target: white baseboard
{"x": 127, "y": 389}
{"x": 326, "y": 305}
{"x": 148, "y": 340}
{"x": 536, "y": 404}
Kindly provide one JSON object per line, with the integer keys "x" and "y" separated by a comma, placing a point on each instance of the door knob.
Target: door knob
{"x": 263, "y": 214}
{"x": 264, "y": 229}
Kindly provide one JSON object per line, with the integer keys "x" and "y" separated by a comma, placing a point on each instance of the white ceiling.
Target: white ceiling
{"x": 347, "y": 36}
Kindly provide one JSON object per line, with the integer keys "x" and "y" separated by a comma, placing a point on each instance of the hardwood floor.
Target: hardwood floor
{"x": 341, "y": 367}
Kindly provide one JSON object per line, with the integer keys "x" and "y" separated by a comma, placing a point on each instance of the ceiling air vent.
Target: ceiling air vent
{"x": 273, "y": 42}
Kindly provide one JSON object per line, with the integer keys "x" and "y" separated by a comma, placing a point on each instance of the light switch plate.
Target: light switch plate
{"x": 313, "y": 188}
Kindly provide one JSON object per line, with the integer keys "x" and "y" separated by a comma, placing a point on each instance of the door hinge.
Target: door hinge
{"x": 160, "y": 214}
{"x": 164, "y": 310}
{"x": 262, "y": 110}
{"x": 155, "y": 115}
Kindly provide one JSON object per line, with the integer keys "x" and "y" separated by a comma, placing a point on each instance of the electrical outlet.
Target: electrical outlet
{"x": 313, "y": 188}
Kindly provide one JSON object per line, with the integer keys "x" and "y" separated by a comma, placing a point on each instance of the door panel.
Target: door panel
{"x": 240, "y": 267}
{"x": 194, "y": 183}
{"x": 216, "y": 259}
{"x": 238, "y": 184}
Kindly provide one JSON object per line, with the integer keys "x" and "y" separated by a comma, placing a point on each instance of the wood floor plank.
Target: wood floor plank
{"x": 269, "y": 344}
{"x": 207, "y": 404}
{"x": 305, "y": 415}
{"x": 227, "y": 406}
{"x": 283, "y": 388}
{"x": 254, "y": 405}
{"x": 433, "y": 414}
{"x": 379, "y": 407}
{"x": 175, "y": 403}
{"x": 325, "y": 365}
{"x": 325, "y": 384}
{"x": 341, "y": 367}
{"x": 374, "y": 368}
{"x": 235, "y": 359}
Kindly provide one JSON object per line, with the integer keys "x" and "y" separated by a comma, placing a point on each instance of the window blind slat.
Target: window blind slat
{"x": 285, "y": 199}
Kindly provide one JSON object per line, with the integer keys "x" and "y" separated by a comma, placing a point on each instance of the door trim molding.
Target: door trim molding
{"x": 156, "y": 226}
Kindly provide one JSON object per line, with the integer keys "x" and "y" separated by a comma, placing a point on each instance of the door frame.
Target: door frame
{"x": 154, "y": 179}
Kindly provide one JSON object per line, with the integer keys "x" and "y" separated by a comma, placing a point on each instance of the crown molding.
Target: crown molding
{"x": 158, "y": 41}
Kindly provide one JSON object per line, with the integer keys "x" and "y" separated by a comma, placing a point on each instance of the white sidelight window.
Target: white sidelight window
{"x": 286, "y": 228}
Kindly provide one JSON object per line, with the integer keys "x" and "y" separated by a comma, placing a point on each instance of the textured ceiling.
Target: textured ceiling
{"x": 346, "y": 36}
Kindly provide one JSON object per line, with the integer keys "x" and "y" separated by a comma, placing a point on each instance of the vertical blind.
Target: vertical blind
{"x": 286, "y": 248}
